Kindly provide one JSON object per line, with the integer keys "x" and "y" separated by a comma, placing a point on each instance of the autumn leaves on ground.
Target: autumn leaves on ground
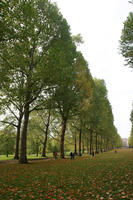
{"x": 105, "y": 176}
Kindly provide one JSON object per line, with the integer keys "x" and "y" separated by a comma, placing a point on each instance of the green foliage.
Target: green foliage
{"x": 78, "y": 39}
{"x": 130, "y": 139}
{"x": 126, "y": 42}
{"x": 7, "y": 141}
{"x": 131, "y": 118}
{"x": 40, "y": 69}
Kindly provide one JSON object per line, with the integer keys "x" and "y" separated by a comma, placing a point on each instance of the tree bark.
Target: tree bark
{"x": 46, "y": 136}
{"x": 83, "y": 148}
{"x": 96, "y": 147}
{"x": 80, "y": 132}
{"x": 37, "y": 148}
{"x": 44, "y": 145}
{"x": 62, "y": 138}
{"x": 90, "y": 141}
{"x": 101, "y": 144}
{"x": 75, "y": 146}
{"x": 7, "y": 149}
{"x": 16, "y": 156}
{"x": 87, "y": 146}
{"x": 23, "y": 156}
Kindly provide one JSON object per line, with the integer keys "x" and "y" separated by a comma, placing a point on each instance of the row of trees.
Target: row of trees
{"x": 130, "y": 139}
{"x": 46, "y": 86}
{"x": 126, "y": 49}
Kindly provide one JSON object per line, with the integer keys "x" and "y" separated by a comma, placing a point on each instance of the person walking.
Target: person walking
{"x": 55, "y": 154}
{"x": 71, "y": 155}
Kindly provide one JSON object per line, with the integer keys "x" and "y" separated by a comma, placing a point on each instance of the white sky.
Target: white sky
{"x": 100, "y": 23}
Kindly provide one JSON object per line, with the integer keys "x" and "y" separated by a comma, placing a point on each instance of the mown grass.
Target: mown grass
{"x": 106, "y": 176}
{"x": 3, "y": 157}
{"x": 31, "y": 156}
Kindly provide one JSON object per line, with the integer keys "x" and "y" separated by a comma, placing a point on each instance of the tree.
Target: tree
{"x": 84, "y": 90}
{"x": 40, "y": 123}
{"x": 126, "y": 41}
{"x": 65, "y": 100}
{"x": 40, "y": 53}
{"x": 7, "y": 140}
{"x": 6, "y": 29}
{"x": 102, "y": 130}
{"x": 130, "y": 139}
{"x": 12, "y": 108}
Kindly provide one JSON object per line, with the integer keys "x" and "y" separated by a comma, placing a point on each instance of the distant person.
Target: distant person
{"x": 93, "y": 154}
{"x": 115, "y": 151}
{"x": 71, "y": 155}
{"x": 55, "y": 154}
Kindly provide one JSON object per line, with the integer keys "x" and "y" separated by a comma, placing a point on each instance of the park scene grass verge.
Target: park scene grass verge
{"x": 104, "y": 176}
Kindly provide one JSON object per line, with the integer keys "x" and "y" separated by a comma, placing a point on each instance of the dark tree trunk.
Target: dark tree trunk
{"x": 80, "y": 133}
{"x": 101, "y": 144}
{"x": 46, "y": 136}
{"x": 37, "y": 148}
{"x": 106, "y": 145}
{"x": 16, "y": 156}
{"x": 23, "y": 156}
{"x": 75, "y": 146}
{"x": 96, "y": 147}
{"x": 62, "y": 138}
{"x": 83, "y": 148}
{"x": 44, "y": 145}
{"x": 90, "y": 141}
{"x": 87, "y": 146}
{"x": 7, "y": 148}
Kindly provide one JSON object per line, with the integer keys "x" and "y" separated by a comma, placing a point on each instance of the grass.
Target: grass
{"x": 107, "y": 176}
{"x": 11, "y": 157}
{"x": 32, "y": 156}
{"x": 3, "y": 157}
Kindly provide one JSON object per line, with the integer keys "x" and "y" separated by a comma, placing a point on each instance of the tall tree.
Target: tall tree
{"x": 66, "y": 101}
{"x": 40, "y": 53}
{"x": 7, "y": 140}
{"x": 126, "y": 41}
{"x": 130, "y": 139}
{"x": 84, "y": 90}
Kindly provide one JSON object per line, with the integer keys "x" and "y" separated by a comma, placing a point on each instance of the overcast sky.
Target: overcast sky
{"x": 100, "y": 23}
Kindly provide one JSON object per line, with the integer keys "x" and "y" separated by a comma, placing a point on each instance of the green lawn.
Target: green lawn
{"x": 3, "y": 157}
{"x": 106, "y": 176}
{"x": 11, "y": 157}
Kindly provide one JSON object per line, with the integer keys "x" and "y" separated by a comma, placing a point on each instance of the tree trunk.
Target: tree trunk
{"x": 16, "y": 156}
{"x": 83, "y": 149}
{"x": 7, "y": 148}
{"x": 87, "y": 146}
{"x": 96, "y": 147}
{"x": 75, "y": 146}
{"x": 80, "y": 132}
{"x": 44, "y": 145}
{"x": 101, "y": 144}
{"x": 62, "y": 138}
{"x": 46, "y": 136}
{"x": 106, "y": 145}
{"x": 7, "y": 153}
{"x": 37, "y": 147}
{"x": 23, "y": 156}
{"x": 90, "y": 141}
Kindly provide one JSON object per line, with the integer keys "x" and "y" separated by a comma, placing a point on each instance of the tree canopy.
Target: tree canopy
{"x": 126, "y": 41}
{"x": 42, "y": 71}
